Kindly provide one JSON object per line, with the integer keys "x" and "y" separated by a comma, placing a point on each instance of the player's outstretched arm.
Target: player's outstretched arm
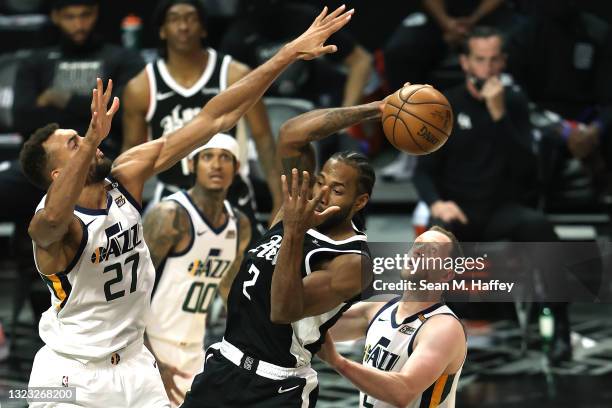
{"x": 439, "y": 348}
{"x": 244, "y": 239}
{"x": 297, "y": 133}
{"x": 50, "y": 225}
{"x": 222, "y": 112}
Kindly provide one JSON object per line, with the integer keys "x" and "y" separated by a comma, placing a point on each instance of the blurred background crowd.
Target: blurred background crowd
{"x": 529, "y": 81}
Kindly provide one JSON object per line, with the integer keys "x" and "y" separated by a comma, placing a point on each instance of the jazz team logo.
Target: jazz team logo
{"x": 119, "y": 241}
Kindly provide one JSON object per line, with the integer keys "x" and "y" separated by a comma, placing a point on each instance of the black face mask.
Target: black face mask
{"x": 477, "y": 82}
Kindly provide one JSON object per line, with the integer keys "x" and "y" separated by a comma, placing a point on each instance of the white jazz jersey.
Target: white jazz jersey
{"x": 188, "y": 281}
{"x": 100, "y": 302}
{"x": 389, "y": 345}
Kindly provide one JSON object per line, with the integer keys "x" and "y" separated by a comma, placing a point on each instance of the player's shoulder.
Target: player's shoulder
{"x": 167, "y": 209}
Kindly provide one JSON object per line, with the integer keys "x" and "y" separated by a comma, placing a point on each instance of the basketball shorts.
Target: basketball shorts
{"x": 232, "y": 379}
{"x": 127, "y": 378}
{"x": 188, "y": 359}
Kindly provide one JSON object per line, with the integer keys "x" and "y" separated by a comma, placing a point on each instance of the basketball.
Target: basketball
{"x": 417, "y": 119}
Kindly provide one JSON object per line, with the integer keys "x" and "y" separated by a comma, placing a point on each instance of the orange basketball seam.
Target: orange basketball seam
{"x": 409, "y": 133}
{"x": 428, "y": 103}
{"x": 409, "y": 96}
{"x": 423, "y": 120}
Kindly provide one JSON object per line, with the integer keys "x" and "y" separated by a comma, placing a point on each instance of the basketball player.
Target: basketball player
{"x": 88, "y": 243}
{"x": 196, "y": 240}
{"x": 415, "y": 345}
{"x": 298, "y": 279}
{"x": 169, "y": 92}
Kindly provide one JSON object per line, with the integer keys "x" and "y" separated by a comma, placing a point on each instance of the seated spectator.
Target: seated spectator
{"x": 474, "y": 185}
{"x": 562, "y": 57}
{"x": 422, "y": 41}
{"x": 54, "y": 84}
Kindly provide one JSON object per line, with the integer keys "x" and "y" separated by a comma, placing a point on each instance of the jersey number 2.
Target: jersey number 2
{"x": 251, "y": 282}
{"x": 119, "y": 277}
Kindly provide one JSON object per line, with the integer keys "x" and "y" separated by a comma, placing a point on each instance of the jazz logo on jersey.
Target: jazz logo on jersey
{"x": 119, "y": 241}
{"x": 212, "y": 266}
{"x": 269, "y": 249}
{"x": 379, "y": 357}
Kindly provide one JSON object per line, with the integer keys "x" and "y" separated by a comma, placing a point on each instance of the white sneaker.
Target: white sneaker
{"x": 400, "y": 169}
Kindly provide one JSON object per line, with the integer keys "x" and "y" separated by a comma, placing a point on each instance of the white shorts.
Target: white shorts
{"x": 131, "y": 379}
{"x": 188, "y": 359}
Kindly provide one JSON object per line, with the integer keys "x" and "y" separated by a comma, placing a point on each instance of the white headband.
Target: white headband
{"x": 220, "y": 141}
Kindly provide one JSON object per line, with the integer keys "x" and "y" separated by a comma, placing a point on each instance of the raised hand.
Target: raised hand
{"x": 311, "y": 44}
{"x": 299, "y": 211}
{"x": 101, "y": 117}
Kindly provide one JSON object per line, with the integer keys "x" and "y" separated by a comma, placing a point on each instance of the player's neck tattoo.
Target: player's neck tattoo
{"x": 209, "y": 202}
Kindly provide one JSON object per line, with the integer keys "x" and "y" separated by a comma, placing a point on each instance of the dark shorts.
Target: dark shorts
{"x": 223, "y": 384}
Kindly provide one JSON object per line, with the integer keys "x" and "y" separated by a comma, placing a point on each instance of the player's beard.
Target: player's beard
{"x": 334, "y": 220}
{"x": 99, "y": 171}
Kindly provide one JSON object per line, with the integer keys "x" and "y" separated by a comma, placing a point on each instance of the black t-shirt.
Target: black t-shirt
{"x": 483, "y": 163}
{"x": 74, "y": 71}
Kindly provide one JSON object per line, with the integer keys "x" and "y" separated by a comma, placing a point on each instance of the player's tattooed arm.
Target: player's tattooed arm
{"x": 244, "y": 239}
{"x": 296, "y": 135}
{"x": 165, "y": 227}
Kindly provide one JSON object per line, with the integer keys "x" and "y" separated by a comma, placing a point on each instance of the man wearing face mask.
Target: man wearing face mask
{"x": 476, "y": 185}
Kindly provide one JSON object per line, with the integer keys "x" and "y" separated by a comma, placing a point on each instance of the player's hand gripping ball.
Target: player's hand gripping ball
{"x": 417, "y": 119}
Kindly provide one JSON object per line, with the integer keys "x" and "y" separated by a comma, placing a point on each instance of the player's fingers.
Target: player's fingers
{"x": 328, "y": 212}
{"x": 305, "y": 186}
{"x": 320, "y": 17}
{"x": 328, "y": 49}
{"x": 462, "y": 217}
{"x": 334, "y": 14}
{"x": 100, "y": 93}
{"x": 284, "y": 187}
{"x": 338, "y": 22}
{"x": 295, "y": 179}
{"x": 114, "y": 107}
{"x": 323, "y": 192}
{"x": 108, "y": 92}
{"x": 94, "y": 97}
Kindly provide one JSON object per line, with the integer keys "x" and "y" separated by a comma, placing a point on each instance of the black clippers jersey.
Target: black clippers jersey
{"x": 172, "y": 106}
{"x": 248, "y": 323}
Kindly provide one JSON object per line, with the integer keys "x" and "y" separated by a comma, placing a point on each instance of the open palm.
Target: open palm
{"x": 299, "y": 210}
